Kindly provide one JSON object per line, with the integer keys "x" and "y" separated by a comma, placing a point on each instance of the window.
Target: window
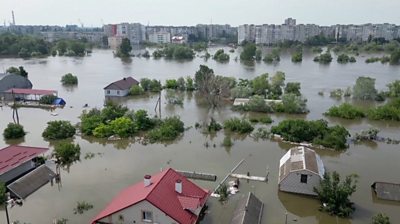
{"x": 147, "y": 216}
{"x": 303, "y": 178}
{"x": 108, "y": 91}
{"x": 117, "y": 92}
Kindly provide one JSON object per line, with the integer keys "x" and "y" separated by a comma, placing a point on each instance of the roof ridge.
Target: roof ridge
{"x": 162, "y": 177}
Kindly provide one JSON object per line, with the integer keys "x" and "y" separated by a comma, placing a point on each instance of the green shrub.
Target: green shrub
{"x": 169, "y": 129}
{"x": 238, "y": 125}
{"x": 136, "y": 90}
{"x": 58, "y": 130}
{"x": 69, "y": 79}
{"x": 343, "y": 58}
{"x": 316, "y": 132}
{"x": 66, "y": 153}
{"x": 380, "y": 218}
{"x": 90, "y": 120}
{"x": 221, "y": 56}
{"x": 266, "y": 120}
{"x": 47, "y": 99}
{"x": 390, "y": 111}
{"x": 82, "y": 206}
{"x": 171, "y": 84}
{"x": 297, "y": 57}
{"x": 102, "y": 131}
{"x": 214, "y": 126}
{"x": 346, "y": 111}
{"x": 14, "y": 131}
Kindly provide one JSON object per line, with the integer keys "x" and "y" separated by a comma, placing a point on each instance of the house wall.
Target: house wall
{"x": 133, "y": 214}
{"x": 292, "y": 183}
{"x": 23, "y": 168}
{"x": 112, "y": 92}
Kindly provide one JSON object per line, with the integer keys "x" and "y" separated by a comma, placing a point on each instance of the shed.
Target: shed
{"x": 8, "y": 81}
{"x": 300, "y": 170}
{"x": 120, "y": 87}
{"x": 387, "y": 191}
{"x": 248, "y": 211}
{"x": 31, "y": 182}
{"x": 16, "y": 160}
{"x": 59, "y": 102}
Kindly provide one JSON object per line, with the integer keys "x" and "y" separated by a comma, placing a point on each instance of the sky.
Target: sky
{"x": 95, "y": 13}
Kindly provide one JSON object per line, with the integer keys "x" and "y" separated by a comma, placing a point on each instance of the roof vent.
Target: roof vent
{"x": 178, "y": 186}
{"x": 147, "y": 180}
{"x": 124, "y": 78}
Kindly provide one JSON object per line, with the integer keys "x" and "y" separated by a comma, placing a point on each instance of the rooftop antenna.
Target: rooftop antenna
{"x": 13, "y": 18}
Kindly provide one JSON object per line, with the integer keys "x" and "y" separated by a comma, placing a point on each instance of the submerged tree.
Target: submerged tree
{"x": 380, "y": 218}
{"x": 364, "y": 89}
{"x": 334, "y": 194}
{"x": 66, "y": 153}
{"x": 125, "y": 48}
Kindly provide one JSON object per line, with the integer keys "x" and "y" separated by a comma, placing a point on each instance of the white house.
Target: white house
{"x": 300, "y": 170}
{"x": 120, "y": 87}
{"x": 165, "y": 198}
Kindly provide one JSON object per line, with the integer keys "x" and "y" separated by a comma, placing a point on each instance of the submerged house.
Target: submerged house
{"x": 300, "y": 170}
{"x": 8, "y": 81}
{"x": 165, "y": 198}
{"x": 120, "y": 87}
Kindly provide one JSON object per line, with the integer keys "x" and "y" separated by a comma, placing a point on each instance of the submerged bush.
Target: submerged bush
{"x": 13, "y": 131}
{"x": 69, "y": 79}
{"x": 66, "y": 153}
{"x": 238, "y": 125}
{"x": 169, "y": 130}
{"x": 58, "y": 130}
{"x": 47, "y": 99}
{"x": 346, "y": 111}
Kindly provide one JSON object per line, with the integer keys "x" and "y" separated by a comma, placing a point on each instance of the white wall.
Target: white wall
{"x": 116, "y": 92}
{"x": 292, "y": 183}
{"x": 134, "y": 213}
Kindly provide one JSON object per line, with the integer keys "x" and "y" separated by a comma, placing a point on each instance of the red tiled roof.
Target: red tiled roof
{"x": 123, "y": 84}
{"x": 161, "y": 193}
{"x": 15, "y": 155}
{"x": 31, "y": 91}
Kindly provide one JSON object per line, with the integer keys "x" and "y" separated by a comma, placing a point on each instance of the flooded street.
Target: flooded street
{"x": 119, "y": 164}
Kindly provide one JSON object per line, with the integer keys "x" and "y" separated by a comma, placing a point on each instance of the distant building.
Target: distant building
{"x": 114, "y": 42}
{"x": 246, "y": 32}
{"x": 120, "y": 87}
{"x": 290, "y": 22}
{"x": 165, "y": 198}
{"x": 178, "y": 40}
{"x": 9, "y": 81}
{"x": 300, "y": 170}
{"x": 160, "y": 37}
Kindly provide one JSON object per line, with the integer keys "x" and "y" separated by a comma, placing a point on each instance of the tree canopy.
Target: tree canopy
{"x": 334, "y": 194}
{"x": 364, "y": 89}
{"x": 58, "y": 130}
{"x": 66, "y": 153}
{"x": 249, "y": 52}
{"x": 125, "y": 48}
{"x": 14, "y": 131}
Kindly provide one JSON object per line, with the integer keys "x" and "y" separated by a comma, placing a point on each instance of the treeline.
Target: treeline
{"x": 26, "y": 46}
{"x": 174, "y": 51}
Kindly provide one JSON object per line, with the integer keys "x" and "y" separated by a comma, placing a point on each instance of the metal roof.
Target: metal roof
{"x": 248, "y": 211}
{"x": 15, "y": 155}
{"x": 387, "y": 191}
{"x": 300, "y": 158}
{"x": 31, "y": 91}
{"x": 161, "y": 193}
{"x": 31, "y": 182}
{"x": 123, "y": 84}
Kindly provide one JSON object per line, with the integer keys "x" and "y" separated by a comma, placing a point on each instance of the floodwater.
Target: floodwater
{"x": 122, "y": 163}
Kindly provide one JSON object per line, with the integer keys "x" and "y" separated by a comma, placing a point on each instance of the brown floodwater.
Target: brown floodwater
{"x": 119, "y": 164}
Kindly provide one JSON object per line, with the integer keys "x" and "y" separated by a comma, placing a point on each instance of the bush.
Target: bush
{"x": 214, "y": 126}
{"x": 58, "y": 130}
{"x": 169, "y": 129}
{"x": 82, "y": 206}
{"x": 14, "y": 131}
{"x": 69, "y": 79}
{"x": 292, "y": 104}
{"x": 221, "y": 56}
{"x": 297, "y": 57}
{"x": 112, "y": 111}
{"x": 150, "y": 85}
{"x": 389, "y": 111}
{"x": 238, "y": 125}
{"x": 136, "y": 90}
{"x": 66, "y": 153}
{"x": 266, "y": 120}
{"x": 47, "y": 99}
{"x": 293, "y": 87}
{"x": 316, "y": 132}
{"x": 380, "y": 218}
{"x": 346, "y": 111}
{"x": 364, "y": 89}
{"x": 171, "y": 84}
{"x": 325, "y": 58}
{"x": 90, "y": 120}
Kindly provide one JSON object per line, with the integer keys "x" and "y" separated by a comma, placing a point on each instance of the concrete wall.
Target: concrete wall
{"x": 12, "y": 174}
{"x": 110, "y": 92}
{"x": 292, "y": 183}
{"x": 133, "y": 214}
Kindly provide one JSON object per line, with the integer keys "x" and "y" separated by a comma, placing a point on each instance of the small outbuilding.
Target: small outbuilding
{"x": 387, "y": 191}
{"x": 300, "y": 170}
{"x": 8, "y": 81}
{"x": 120, "y": 87}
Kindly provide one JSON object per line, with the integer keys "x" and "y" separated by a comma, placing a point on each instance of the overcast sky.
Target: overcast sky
{"x": 191, "y": 12}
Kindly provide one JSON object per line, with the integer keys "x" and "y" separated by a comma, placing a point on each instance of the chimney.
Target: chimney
{"x": 178, "y": 186}
{"x": 147, "y": 180}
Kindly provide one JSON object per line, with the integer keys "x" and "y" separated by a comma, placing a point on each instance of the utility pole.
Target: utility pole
{"x": 13, "y": 17}
{"x": 5, "y": 207}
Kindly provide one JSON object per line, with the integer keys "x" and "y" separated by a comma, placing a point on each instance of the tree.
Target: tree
{"x": 260, "y": 84}
{"x": 394, "y": 88}
{"x": 18, "y": 71}
{"x": 380, "y": 218}
{"x": 395, "y": 57}
{"x": 293, "y": 104}
{"x": 297, "y": 56}
{"x": 249, "y": 52}
{"x": 113, "y": 111}
{"x": 66, "y": 153}
{"x": 258, "y": 55}
{"x": 277, "y": 82}
{"x": 47, "y": 99}
{"x": 14, "y": 131}
{"x": 221, "y": 56}
{"x": 123, "y": 127}
{"x": 136, "y": 90}
{"x": 125, "y": 48}
{"x": 364, "y": 89}
{"x": 69, "y": 79}
{"x": 58, "y": 130}
{"x": 293, "y": 87}
{"x": 343, "y": 58}
{"x": 241, "y": 126}
{"x": 90, "y": 120}
{"x": 346, "y": 111}
{"x": 325, "y": 58}
{"x": 334, "y": 194}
